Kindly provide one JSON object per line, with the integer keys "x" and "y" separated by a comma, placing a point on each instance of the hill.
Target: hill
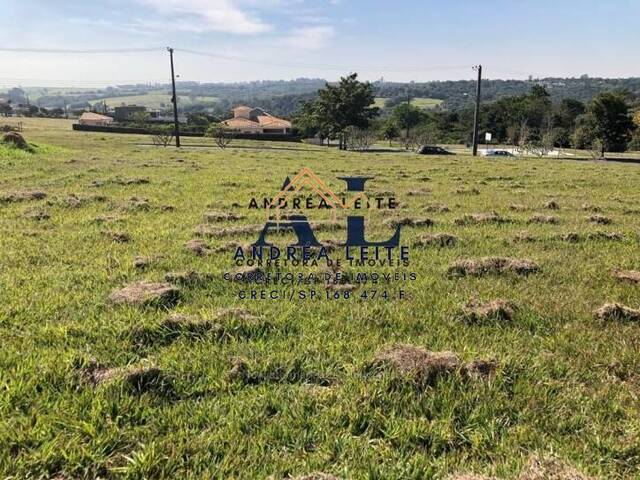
{"x": 283, "y": 97}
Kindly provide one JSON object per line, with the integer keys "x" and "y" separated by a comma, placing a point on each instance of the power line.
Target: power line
{"x": 315, "y": 66}
{"x": 322, "y": 66}
{"x": 80, "y": 51}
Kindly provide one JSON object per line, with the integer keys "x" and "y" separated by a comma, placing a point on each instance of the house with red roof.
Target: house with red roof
{"x": 255, "y": 120}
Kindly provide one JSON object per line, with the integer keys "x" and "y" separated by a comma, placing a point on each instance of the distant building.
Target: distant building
{"x": 125, "y": 112}
{"x": 255, "y": 120}
{"x": 90, "y": 118}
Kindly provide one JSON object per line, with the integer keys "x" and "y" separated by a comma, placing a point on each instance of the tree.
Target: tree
{"x": 5, "y": 109}
{"x": 389, "y": 131}
{"x": 564, "y": 119}
{"x": 140, "y": 119}
{"x": 407, "y": 117}
{"x": 220, "y": 134}
{"x": 582, "y": 136}
{"x": 309, "y": 122}
{"x": 338, "y": 107}
{"x": 608, "y": 121}
{"x": 512, "y": 134}
{"x": 198, "y": 119}
{"x": 634, "y": 144}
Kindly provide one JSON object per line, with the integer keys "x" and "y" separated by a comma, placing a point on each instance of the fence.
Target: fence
{"x": 272, "y": 137}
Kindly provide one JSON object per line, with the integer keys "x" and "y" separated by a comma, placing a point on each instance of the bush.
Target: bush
{"x": 221, "y": 135}
{"x": 359, "y": 139}
{"x": 162, "y": 136}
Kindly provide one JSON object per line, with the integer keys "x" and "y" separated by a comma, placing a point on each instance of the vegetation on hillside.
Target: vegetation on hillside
{"x": 283, "y": 97}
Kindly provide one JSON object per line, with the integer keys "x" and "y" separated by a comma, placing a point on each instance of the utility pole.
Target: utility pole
{"x": 476, "y": 115}
{"x": 174, "y": 100}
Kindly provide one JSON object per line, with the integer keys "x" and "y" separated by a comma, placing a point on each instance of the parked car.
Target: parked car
{"x": 498, "y": 153}
{"x": 433, "y": 150}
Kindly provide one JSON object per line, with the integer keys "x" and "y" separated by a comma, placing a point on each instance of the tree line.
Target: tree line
{"x": 532, "y": 121}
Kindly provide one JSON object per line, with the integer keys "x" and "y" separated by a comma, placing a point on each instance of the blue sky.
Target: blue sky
{"x": 280, "y": 39}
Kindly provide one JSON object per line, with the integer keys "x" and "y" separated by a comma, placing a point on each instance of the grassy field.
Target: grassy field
{"x": 154, "y": 100}
{"x": 422, "y": 102}
{"x": 92, "y": 389}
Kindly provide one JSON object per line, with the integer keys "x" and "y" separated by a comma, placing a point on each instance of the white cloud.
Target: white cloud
{"x": 309, "y": 38}
{"x": 214, "y": 15}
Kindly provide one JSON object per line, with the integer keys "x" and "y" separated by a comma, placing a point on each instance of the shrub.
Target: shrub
{"x": 359, "y": 139}
{"x": 221, "y": 135}
{"x": 162, "y": 136}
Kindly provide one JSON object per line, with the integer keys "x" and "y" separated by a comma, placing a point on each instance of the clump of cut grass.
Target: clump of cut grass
{"x": 599, "y": 219}
{"x": 525, "y": 237}
{"x": 467, "y": 191}
{"x": 246, "y": 274}
{"x": 481, "y": 218}
{"x": 246, "y": 248}
{"x": 409, "y": 222}
{"x": 439, "y": 240}
{"x": 549, "y": 219}
{"x": 117, "y": 236}
{"x": 142, "y": 262}
{"x": 146, "y": 293}
{"x": 591, "y": 208}
{"x": 610, "y": 236}
{"x": 632, "y": 276}
{"x": 571, "y": 237}
{"x": 617, "y": 312}
{"x": 416, "y": 362}
{"x": 550, "y": 468}
{"x": 491, "y": 265}
{"x": 517, "y": 207}
{"x": 537, "y": 468}
{"x": 131, "y": 181}
{"x": 469, "y": 476}
{"x": 197, "y": 246}
{"x": 37, "y": 215}
{"x": 22, "y": 196}
{"x": 495, "y": 310}
{"x": 72, "y": 201}
{"x": 425, "y": 367}
{"x": 437, "y": 208}
{"x": 480, "y": 369}
{"x": 193, "y": 326}
{"x": 213, "y": 217}
{"x": 316, "y": 476}
{"x": 135, "y": 379}
{"x": 137, "y": 204}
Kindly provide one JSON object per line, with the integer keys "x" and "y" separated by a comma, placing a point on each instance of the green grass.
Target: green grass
{"x": 8, "y": 153}
{"x": 153, "y": 99}
{"x": 566, "y": 383}
{"x": 422, "y": 102}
